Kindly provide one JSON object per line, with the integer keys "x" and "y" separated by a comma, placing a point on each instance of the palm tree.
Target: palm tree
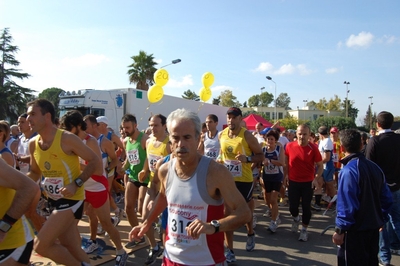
{"x": 190, "y": 95}
{"x": 142, "y": 70}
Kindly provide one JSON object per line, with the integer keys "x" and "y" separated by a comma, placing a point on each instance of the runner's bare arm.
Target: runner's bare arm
{"x": 200, "y": 148}
{"x": 109, "y": 149}
{"x": 34, "y": 171}
{"x": 255, "y": 147}
{"x": 92, "y": 144}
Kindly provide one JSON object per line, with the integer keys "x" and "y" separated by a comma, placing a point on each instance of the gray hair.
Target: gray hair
{"x": 185, "y": 115}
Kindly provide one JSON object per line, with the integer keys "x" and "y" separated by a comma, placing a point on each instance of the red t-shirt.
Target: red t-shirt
{"x": 302, "y": 161}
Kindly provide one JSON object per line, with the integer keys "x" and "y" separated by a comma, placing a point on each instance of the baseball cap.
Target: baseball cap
{"x": 234, "y": 111}
{"x": 334, "y": 130}
{"x": 102, "y": 119}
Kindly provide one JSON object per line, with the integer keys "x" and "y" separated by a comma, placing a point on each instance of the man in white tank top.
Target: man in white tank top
{"x": 195, "y": 218}
{"x": 209, "y": 142}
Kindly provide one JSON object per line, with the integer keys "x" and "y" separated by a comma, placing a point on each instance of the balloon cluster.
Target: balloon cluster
{"x": 156, "y": 92}
{"x": 205, "y": 92}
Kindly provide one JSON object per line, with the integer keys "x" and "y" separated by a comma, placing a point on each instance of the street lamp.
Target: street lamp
{"x": 260, "y": 95}
{"x": 304, "y": 109}
{"x": 176, "y": 61}
{"x": 370, "y": 110}
{"x": 347, "y": 95}
{"x": 269, "y": 78}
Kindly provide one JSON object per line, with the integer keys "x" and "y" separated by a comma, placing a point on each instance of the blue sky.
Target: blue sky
{"x": 309, "y": 48}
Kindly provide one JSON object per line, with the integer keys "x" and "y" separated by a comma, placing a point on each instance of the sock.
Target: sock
{"x": 318, "y": 199}
{"x": 120, "y": 251}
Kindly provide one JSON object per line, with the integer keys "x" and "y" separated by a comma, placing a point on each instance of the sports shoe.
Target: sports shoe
{"x": 100, "y": 230}
{"x": 134, "y": 243}
{"x": 153, "y": 254}
{"x": 230, "y": 256}
{"x": 381, "y": 263}
{"x": 295, "y": 224}
{"x": 303, "y": 235}
{"x": 251, "y": 242}
{"x": 120, "y": 260}
{"x": 282, "y": 203}
{"x": 254, "y": 220}
{"x": 267, "y": 213}
{"x": 326, "y": 198}
{"x": 115, "y": 220}
{"x": 119, "y": 198}
{"x": 120, "y": 213}
{"x": 278, "y": 220}
{"x": 90, "y": 247}
{"x": 316, "y": 207}
{"x": 273, "y": 226}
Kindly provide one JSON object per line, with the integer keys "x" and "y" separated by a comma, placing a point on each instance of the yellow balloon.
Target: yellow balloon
{"x": 155, "y": 93}
{"x": 205, "y": 94}
{"x": 207, "y": 79}
{"x": 161, "y": 77}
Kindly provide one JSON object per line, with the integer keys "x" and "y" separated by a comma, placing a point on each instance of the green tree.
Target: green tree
{"x": 244, "y": 104}
{"x": 289, "y": 122}
{"x": 283, "y": 101}
{"x": 369, "y": 119}
{"x": 337, "y": 121}
{"x": 216, "y": 101}
{"x": 228, "y": 99}
{"x": 190, "y": 95}
{"x": 266, "y": 98}
{"x": 52, "y": 94}
{"x": 13, "y": 98}
{"x": 254, "y": 100}
{"x": 142, "y": 70}
{"x": 352, "y": 112}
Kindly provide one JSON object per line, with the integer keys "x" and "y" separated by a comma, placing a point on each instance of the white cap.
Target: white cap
{"x": 102, "y": 119}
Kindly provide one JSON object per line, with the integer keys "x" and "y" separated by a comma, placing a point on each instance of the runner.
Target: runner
{"x": 16, "y": 235}
{"x": 97, "y": 203}
{"x": 196, "y": 217}
{"x": 209, "y": 142}
{"x": 55, "y": 156}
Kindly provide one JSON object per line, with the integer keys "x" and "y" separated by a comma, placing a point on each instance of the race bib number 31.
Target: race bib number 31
{"x": 178, "y": 220}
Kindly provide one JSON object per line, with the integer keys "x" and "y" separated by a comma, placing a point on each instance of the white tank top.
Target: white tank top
{"x": 184, "y": 208}
{"x": 211, "y": 146}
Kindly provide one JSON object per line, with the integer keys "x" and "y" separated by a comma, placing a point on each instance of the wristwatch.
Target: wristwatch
{"x": 79, "y": 182}
{"x": 216, "y": 225}
{"x": 248, "y": 158}
{"x": 4, "y": 226}
{"x": 339, "y": 230}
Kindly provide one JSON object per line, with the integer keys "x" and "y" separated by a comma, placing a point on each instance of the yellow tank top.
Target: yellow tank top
{"x": 155, "y": 153}
{"x": 58, "y": 168}
{"x": 230, "y": 147}
{"x": 21, "y": 232}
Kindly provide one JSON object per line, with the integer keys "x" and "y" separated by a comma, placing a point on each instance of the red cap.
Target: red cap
{"x": 334, "y": 130}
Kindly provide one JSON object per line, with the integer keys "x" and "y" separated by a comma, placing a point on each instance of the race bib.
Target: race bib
{"x": 133, "y": 157}
{"x": 52, "y": 187}
{"x": 178, "y": 220}
{"x": 335, "y": 157}
{"x": 235, "y": 167}
{"x": 212, "y": 153}
{"x": 153, "y": 161}
{"x": 271, "y": 169}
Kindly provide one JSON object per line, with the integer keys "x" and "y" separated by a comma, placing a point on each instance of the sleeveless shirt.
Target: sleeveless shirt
{"x": 211, "y": 146}
{"x": 272, "y": 172}
{"x": 183, "y": 208}
{"x": 58, "y": 168}
{"x": 136, "y": 157}
{"x": 155, "y": 153}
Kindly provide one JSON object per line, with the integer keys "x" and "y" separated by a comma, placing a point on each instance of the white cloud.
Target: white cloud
{"x": 85, "y": 60}
{"x": 285, "y": 69}
{"x": 331, "y": 70}
{"x": 363, "y": 39}
{"x": 389, "y": 39}
{"x": 303, "y": 70}
{"x": 183, "y": 83}
{"x": 264, "y": 67}
{"x": 339, "y": 44}
{"x": 221, "y": 88}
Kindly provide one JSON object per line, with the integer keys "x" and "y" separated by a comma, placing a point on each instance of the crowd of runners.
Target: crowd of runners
{"x": 196, "y": 182}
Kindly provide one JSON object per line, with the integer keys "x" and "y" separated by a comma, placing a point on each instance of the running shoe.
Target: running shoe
{"x": 119, "y": 198}
{"x": 267, "y": 213}
{"x": 115, "y": 220}
{"x": 254, "y": 220}
{"x": 134, "y": 243}
{"x": 100, "y": 230}
{"x": 295, "y": 224}
{"x": 90, "y": 247}
{"x": 153, "y": 255}
{"x": 273, "y": 226}
{"x": 230, "y": 256}
{"x": 303, "y": 235}
{"x": 316, "y": 207}
{"x": 251, "y": 242}
{"x": 120, "y": 260}
{"x": 326, "y": 198}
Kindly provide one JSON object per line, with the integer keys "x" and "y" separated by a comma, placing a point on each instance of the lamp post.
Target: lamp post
{"x": 347, "y": 95}
{"x": 304, "y": 109}
{"x": 173, "y": 62}
{"x": 260, "y": 96}
{"x": 269, "y": 78}
{"x": 370, "y": 110}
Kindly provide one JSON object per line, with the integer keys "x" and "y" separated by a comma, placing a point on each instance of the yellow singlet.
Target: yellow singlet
{"x": 58, "y": 169}
{"x": 230, "y": 147}
{"x": 155, "y": 153}
{"x": 21, "y": 232}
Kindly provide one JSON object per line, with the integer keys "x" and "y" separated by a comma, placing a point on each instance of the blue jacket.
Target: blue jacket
{"x": 363, "y": 199}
